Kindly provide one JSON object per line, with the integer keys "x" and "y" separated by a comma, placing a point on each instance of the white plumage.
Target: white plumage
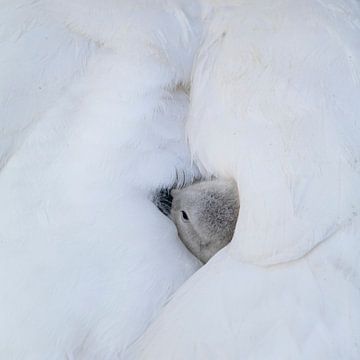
{"x": 86, "y": 259}
{"x": 94, "y": 97}
{"x": 275, "y": 104}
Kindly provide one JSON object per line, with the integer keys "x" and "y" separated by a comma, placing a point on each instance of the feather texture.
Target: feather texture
{"x": 275, "y": 105}
{"x": 86, "y": 259}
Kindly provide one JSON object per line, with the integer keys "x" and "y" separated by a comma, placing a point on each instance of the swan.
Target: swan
{"x": 275, "y": 105}
{"x": 205, "y": 215}
{"x": 94, "y": 96}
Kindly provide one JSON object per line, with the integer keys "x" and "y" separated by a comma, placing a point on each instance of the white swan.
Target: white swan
{"x": 275, "y": 104}
{"x": 93, "y": 122}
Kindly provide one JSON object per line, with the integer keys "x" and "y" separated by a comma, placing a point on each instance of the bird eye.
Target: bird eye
{"x": 184, "y": 216}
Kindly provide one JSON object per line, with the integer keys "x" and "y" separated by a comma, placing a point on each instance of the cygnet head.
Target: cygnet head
{"x": 205, "y": 215}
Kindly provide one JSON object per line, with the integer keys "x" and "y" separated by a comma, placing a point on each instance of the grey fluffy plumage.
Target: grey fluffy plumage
{"x": 205, "y": 215}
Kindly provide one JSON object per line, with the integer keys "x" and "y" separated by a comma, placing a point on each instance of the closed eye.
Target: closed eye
{"x": 184, "y": 215}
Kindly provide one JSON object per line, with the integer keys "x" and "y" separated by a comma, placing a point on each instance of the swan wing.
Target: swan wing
{"x": 86, "y": 259}
{"x": 275, "y": 105}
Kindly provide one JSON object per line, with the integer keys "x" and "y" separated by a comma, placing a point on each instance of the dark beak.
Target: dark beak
{"x": 163, "y": 200}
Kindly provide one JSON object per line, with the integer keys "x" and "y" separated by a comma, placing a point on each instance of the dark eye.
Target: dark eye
{"x": 184, "y": 216}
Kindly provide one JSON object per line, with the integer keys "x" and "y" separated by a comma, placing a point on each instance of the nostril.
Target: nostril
{"x": 184, "y": 215}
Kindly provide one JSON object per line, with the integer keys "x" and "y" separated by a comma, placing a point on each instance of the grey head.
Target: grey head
{"x": 205, "y": 215}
